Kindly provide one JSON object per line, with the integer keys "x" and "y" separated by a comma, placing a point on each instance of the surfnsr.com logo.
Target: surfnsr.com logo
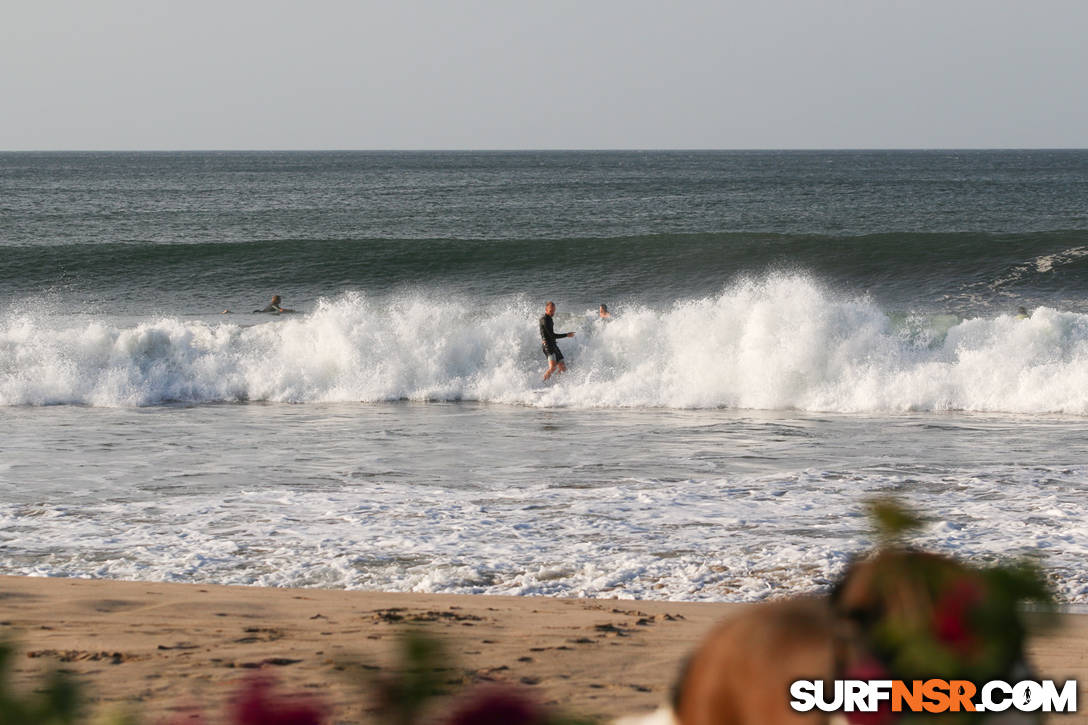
{"x": 933, "y": 696}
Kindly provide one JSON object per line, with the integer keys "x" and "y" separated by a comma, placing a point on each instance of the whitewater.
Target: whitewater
{"x": 779, "y": 342}
{"x": 795, "y": 333}
{"x": 711, "y": 505}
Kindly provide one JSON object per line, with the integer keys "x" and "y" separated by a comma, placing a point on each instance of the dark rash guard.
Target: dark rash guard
{"x": 547, "y": 333}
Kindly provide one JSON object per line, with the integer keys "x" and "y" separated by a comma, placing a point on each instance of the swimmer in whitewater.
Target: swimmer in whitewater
{"x": 548, "y": 337}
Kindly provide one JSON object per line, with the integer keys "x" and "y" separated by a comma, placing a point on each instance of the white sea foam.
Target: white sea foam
{"x": 780, "y": 342}
{"x": 733, "y": 539}
{"x": 1043, "y": 264}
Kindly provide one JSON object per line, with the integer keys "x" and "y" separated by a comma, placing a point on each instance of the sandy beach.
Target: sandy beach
{"x": 165, "y": 649}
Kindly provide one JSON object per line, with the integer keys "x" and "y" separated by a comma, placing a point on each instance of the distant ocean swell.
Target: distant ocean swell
{"x": 1052, "y": 262}
{"x": 775, "y": 342}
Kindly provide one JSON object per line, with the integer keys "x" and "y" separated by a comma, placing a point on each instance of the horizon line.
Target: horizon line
{"x": 799, "y": 149}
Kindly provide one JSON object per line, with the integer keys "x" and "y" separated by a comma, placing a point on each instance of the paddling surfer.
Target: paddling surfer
{"x": 548, "y": 337}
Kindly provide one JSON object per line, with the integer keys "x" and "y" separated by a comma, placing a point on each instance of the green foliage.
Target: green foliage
{"x": 407, "y": 697}
{"x": 56, "y": 702}
{"x": 402, "y": 698}
{"x": 891, "y": 519}
{"x": 940, "y": 615}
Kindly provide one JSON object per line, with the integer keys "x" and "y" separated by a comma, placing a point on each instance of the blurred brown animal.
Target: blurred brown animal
{"x": 743, "y": 670}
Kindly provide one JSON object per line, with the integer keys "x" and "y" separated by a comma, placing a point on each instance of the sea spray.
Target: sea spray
{"x": 773, "y": 342}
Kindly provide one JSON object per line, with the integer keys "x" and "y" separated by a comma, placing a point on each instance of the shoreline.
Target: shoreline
{"x": 157, "y": 649}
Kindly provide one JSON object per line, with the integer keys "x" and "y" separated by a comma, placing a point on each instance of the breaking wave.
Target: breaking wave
{"x": 775, "y": 342}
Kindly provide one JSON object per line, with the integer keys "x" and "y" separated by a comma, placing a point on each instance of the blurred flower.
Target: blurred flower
{"x": 257, "y": 705}
{"x": 952, "y": 616}
{"x": 870, "y": 669}
{"x": 495, "y": 706}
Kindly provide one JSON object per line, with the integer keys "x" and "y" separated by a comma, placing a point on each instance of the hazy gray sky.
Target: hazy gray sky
{"x": 483, "y": 74}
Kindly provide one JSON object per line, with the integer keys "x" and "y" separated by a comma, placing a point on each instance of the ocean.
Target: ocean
{"x": 794, "y": 333}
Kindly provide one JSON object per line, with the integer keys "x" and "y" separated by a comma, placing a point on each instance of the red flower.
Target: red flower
{"x": 496, "y": 706}
{"x": 258, "y": 706}
{"x": 870, "y": 669}
{"x": 951, "y": 623}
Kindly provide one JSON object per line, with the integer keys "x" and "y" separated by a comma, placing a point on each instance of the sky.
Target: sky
{"x": 558, "y": 74}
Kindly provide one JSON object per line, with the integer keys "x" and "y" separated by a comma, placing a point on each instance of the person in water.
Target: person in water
{"x": 603, "y": 312}
{"x": 274, "y": 306}
{"x": 548, "y": 337}
{"x": 1022, "y": 313}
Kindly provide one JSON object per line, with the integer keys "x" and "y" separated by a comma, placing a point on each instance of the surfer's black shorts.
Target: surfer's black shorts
{"x": 552, "y": 352}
